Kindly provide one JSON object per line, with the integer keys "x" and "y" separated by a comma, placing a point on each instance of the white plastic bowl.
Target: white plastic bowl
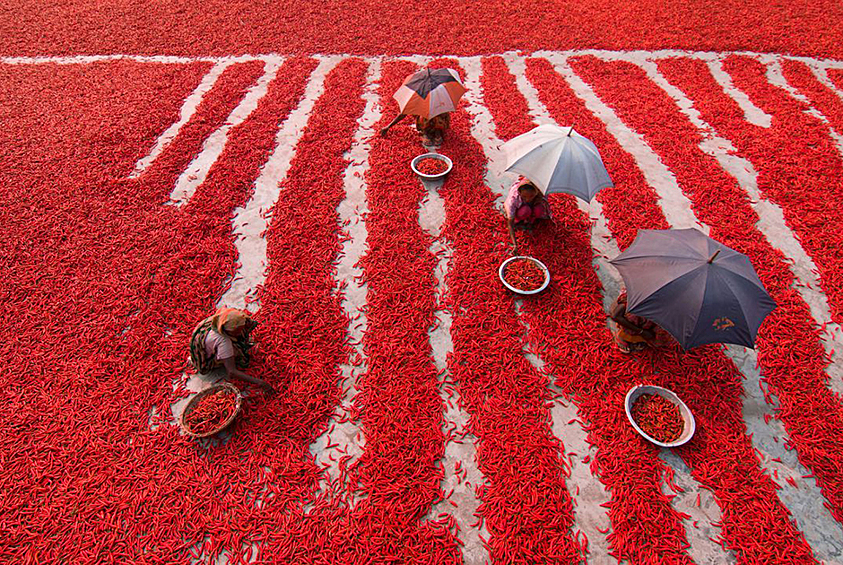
{"x": 502, "y": 268}
{"x": 684, "y": 411}
{"x": 436, "y": 156}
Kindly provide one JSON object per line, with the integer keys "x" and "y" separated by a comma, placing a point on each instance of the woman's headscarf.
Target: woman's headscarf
{"x": 227, "y": 320}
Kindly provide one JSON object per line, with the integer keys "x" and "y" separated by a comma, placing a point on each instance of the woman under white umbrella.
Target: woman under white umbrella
{"x": 524, "y": 207}
{"x": 555, "y": 160}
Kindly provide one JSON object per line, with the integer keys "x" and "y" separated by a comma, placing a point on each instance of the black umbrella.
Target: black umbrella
{"x": 697, "y": 289}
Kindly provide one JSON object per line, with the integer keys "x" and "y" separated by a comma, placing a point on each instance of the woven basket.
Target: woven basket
{"x": 192, "y": 404}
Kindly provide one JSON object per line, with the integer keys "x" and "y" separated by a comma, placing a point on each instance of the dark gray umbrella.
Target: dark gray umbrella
{"x": 697, "y": 289}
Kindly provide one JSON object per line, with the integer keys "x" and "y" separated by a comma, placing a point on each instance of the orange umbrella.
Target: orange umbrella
{"x": 430, "y": 92}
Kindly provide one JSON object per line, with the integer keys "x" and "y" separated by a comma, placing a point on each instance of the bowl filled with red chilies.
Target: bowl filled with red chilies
{"x": 431, "y": 166}
{"x": 659, "y": 415}
{"x": 211, "y": 411}
{"x": 524, "y": 275}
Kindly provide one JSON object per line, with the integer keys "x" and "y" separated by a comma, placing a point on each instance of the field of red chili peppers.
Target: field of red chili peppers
{"x": 160, "y": 159}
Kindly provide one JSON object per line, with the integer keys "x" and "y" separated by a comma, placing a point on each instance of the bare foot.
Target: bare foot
{"x": 622, "y": 346}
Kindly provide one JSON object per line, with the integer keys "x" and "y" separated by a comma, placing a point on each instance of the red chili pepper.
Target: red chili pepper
{"x": 210, "y": 412}
{"x": 431, "y": 166}
{"x": 658, "y": 417}
{"x": 524, "y": 274}
{"x": 156, "y": 267}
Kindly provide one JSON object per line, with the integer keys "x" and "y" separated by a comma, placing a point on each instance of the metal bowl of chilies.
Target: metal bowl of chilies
{"x": 542, "y": 266}
{"x": 436, "y": 156}
{"x": 690, "y": 425}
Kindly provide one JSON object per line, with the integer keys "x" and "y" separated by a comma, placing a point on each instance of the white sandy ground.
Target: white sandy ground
{"x": 805, "y": 501}
{"x": 187, "y": 110}
{"x": 462, "y": 502}
{"x": 775, "y": 76}
{"x": 250, "y": 220}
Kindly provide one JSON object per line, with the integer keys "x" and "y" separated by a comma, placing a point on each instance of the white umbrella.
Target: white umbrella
{"x": 558, "y": 159}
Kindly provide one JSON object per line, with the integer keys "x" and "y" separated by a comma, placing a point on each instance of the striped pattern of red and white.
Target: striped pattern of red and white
{"x": 501, "y": 421}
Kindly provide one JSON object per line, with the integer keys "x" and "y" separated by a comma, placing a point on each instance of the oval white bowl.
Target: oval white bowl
{"x": 690, "y": 425}
{"x": 543, "y": 267}
{"x": 437, "y": 156}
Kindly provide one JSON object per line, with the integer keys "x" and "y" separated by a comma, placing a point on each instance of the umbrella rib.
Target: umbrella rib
{"x": 659, "y": 257}
{"x": 757, "y": 282}
{"x": 702, "y": 303}
{"x": 741, "y": 304}
{"x": 728, "y": 286}
{"x": 659, "y": 287}
{"x": 674, "y": 239}
{"x": 655, "y": 290}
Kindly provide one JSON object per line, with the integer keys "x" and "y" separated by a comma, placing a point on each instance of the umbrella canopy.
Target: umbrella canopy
{"x": 430, "y": 92}
{"x": 697, "y": 289}
{"x": 558, "y": 159}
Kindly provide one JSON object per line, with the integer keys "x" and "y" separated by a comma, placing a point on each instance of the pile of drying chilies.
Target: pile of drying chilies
{"x": 142, "y": 277}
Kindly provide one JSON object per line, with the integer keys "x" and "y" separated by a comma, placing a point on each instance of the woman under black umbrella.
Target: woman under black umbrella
{"x": 695, "y": 288}
{"x": 632, "y": 333}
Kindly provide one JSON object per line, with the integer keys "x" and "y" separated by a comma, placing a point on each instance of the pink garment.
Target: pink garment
{"x": 529, "y": 214}
{"x": 218, "y": 346}
{"x": 516, "y": 209}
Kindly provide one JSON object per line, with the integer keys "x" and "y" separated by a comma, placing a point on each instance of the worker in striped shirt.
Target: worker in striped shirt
{"x": 224, "y": 340}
